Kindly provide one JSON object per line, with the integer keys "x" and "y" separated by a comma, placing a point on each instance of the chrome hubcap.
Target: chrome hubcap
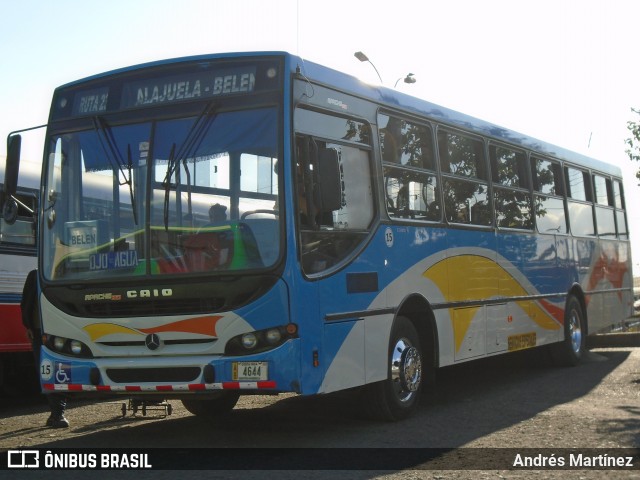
{"x": 406, "y": 369}
{"x": 575, "y": 332}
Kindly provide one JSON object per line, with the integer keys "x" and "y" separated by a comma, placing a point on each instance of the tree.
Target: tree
{"x": 633, "y": 143}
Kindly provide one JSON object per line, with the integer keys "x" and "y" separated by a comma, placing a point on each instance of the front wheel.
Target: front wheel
{"x": 397, "y": 397}
{"x": 570, "y": 351}
{"x": 212, "y": 407}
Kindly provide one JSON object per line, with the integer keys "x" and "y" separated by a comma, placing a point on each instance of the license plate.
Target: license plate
{"x": 250, "y": 371}
{"x": 522, "y": 341}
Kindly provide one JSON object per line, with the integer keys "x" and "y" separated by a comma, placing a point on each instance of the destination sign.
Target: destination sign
{"x": 91, "y": 101}
{"x": 111, "y": 260}
{"x": 163, "y": 90}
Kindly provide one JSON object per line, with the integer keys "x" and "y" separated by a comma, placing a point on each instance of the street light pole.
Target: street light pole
{"x": 408, "y": 79}
{"x": 363, "y": 58}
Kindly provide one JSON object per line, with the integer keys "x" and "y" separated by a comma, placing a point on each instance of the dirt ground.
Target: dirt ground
{"x": 512, "y": 402}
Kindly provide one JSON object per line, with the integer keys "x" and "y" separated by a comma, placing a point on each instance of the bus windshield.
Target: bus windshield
{"x": 196, "y": 193}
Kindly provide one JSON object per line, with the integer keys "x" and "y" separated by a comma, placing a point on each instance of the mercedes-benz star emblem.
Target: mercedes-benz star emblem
{"x": 152, "y": 341}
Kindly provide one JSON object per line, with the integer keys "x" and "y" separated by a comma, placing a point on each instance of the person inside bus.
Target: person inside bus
{"x": 306, "y": 204}
{"x": 217, "y": 214}
{"x": 31, "y": 321}
{"x": 210, "y": 249}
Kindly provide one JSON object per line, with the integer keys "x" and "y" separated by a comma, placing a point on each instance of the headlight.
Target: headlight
{"x": 260, "y": 340}
{"x": 58, "y": 343}
{"x": 76, "y": 347}
{"x": 249, "y": 341}
{"x": 67, "y": 346}
{"x": 273, "y": 336}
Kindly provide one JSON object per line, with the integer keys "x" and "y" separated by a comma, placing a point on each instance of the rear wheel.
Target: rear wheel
{"x": 212, "y": 407}
{"x": 570, "y": 351}
{"x": 397, "y": 397}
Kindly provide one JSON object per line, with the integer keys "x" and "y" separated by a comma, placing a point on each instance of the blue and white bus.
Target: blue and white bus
{"x": 366, "y": 238}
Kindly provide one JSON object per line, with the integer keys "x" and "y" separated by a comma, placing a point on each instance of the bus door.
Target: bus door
{"x": 335, "y": 211}
{"x": 330, "y": 232}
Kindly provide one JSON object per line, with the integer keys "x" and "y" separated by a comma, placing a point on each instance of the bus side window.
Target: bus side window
{"x": 461, "y": 155}
{"x": 410, "y": 180}
{"x": 512, "y": 200}
{"x": 579, "y": 200}
{"x": 23, "y": 231}
{"x": 465, "y": 183}
{"x": 603, "y": 199}
{"x": 621, "y": 220}
{"x": 548, "y": 199}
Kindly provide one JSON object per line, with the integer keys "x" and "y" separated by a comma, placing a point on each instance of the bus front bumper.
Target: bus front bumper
{"x": 267, "y": 372}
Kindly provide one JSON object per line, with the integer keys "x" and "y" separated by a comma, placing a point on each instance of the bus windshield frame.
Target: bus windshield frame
{"x": 172, "y": 174}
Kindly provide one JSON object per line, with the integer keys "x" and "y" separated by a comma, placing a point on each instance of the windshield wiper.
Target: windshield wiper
{"x": 166, "y": 183}
{"x": 128, "y": 182}
{"x": 192, "y": 141}
{"x": 102, "y": 129}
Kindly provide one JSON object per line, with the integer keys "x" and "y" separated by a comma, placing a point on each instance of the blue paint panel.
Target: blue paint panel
{"x": 269, "y": 310}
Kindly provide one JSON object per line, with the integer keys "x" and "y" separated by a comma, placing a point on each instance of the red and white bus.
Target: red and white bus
{"x": 17, "y": 258}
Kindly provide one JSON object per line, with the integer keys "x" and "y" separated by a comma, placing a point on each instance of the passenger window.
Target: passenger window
{"x": 466, "y": 202}
{"x": 550, "y": 216}
{"x": 512, "y": 203}
{"x": 576, "y": 185}
{"x": 581, "y": 218}
{"x": 621, "y": 222}
{"x": 513, "y": 209}
{"x": 618, "y": 196}
{"x": 619, "y": 203}
{"x": 602, "y": 187}
{"x": 549, "y": 211}
{"x": 410, "y": 182}
{"x": 23, "y": 230}
{"x": 411, "y": 194}
{"x": 546, "y": 177}
{"x": 405, "y": 143}
{"x": 508, "y": 167}
{"x": 461, "y": 155}
{"x": 606, "y": 222}
{"x": 605, "y": 214}
{"x": 578, "y": 194}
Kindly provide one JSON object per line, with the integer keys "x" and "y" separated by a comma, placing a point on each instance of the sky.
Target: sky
{"x": 564, "y": 71}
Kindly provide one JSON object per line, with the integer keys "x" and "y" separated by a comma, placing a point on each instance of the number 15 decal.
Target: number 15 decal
{"x": 388, "y": 237}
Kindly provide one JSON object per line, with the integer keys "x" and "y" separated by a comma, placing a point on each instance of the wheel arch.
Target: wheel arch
{"x": 419, "y": 312}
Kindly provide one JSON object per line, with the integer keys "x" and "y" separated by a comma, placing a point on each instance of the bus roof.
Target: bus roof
{"x": 392, "y": 99}
{"x": 398, "y": 100}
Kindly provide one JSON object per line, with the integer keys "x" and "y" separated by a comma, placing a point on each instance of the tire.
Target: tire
{"x": 212, "y": 407}
{"x": 570, "y": 351}
{"x": 397, "y": 397}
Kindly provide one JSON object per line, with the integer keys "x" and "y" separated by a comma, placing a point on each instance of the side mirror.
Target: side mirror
{"x": 329, "y": 191}
{"x": 12, "y": 167}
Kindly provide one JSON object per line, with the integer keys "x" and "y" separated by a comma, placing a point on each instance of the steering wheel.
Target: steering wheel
{"x": 253, "y": 212}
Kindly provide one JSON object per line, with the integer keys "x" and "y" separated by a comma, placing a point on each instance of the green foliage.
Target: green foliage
{"x": 633, "y": 143}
